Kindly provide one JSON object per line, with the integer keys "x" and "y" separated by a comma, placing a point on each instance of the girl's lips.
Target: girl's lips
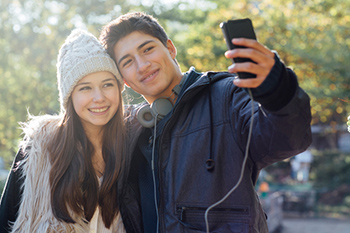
{"x": 98, "y": 110}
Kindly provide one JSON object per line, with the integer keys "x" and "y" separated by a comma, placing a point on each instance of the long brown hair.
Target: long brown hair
{"x": 74, "y": 184}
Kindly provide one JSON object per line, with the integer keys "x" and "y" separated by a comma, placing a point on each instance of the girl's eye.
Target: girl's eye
{"x": 84, "y": 88}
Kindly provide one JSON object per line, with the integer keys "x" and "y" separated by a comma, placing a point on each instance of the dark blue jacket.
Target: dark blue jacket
{"x": 212, "y": 121}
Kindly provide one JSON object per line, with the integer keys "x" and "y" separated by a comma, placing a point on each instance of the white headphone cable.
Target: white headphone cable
{"x": 243, "y": 166}
{"x": 153, "y": 171}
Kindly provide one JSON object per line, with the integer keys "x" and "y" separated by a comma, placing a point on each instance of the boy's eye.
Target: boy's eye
{"x": 149, "y": 48}
{"x": 108, "y": 85}
{"x": 127, "y": 62}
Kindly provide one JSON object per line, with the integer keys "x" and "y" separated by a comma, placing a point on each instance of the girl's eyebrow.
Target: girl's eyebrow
{"x": 109, "y": 79}
{"x": 86, "y": 83}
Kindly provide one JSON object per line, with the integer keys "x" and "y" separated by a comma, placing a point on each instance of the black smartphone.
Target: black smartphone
{"x": 239, "y": 28}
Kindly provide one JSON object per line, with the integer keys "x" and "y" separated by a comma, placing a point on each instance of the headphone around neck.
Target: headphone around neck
{"x": 147, "y": 114}
{"x": 158, "y": 109}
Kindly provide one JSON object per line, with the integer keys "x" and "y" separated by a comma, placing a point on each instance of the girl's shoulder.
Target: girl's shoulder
{"x": 40, "y": 127}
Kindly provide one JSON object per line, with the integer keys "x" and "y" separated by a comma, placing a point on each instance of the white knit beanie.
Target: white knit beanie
{"x": 80, "y": 55}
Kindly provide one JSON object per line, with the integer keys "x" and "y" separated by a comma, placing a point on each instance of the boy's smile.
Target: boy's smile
{"x": 147, "y": 66}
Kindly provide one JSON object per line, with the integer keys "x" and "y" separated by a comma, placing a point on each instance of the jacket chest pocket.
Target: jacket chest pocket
{"x": 221, "y": 219}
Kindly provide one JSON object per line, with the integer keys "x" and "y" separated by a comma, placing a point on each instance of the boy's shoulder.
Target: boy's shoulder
{"x": 218, "y": 75}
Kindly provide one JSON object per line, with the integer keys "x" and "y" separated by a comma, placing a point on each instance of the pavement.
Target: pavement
{"x": 315, "y": 225}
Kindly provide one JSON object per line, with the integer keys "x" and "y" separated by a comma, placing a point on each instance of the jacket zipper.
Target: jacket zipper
{"x": 160, "y": 212}
{"x": 200, "y": 85}
{"x": 182, "y": 210}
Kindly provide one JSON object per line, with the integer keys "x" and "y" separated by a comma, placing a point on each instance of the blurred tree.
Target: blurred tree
{"x": 330, "y": 177}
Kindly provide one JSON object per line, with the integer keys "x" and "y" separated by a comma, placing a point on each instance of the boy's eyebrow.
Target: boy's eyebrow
{"x": 138, "y": 48}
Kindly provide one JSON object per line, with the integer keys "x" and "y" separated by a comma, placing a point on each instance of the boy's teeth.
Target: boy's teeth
{"x": 150, "y": 76}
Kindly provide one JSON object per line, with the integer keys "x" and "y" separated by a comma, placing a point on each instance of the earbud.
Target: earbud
{"x": 159, "y": 108}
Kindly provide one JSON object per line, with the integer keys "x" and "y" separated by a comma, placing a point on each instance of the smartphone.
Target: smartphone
{"x": 239, "y": 28}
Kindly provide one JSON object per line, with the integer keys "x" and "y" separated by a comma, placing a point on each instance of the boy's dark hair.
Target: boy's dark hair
{"x": 128, "y": 23}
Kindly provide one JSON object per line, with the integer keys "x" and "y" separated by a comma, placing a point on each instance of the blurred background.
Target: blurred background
{"x": 312, "y": 37}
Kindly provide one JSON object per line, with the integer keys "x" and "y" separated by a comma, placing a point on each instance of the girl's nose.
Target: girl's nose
{"x": 98, "y": 96}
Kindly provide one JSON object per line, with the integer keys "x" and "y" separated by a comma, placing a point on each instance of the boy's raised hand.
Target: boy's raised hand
{"x": 264, "y": 58}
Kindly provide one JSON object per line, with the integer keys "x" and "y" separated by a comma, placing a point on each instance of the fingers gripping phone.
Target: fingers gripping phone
{"x": 239, "y": 28}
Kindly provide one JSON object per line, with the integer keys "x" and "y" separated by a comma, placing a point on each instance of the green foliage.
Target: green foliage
{"x": 330, "y": 177}
{"x": 2, "y": 184}
{"x": 330, "y": 169}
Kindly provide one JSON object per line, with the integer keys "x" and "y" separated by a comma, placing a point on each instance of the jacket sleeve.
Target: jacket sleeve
{"x": 281, "y": 123}
{"x": 11, "y": 196}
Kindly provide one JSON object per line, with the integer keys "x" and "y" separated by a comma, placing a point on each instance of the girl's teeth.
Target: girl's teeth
{"x": 98, "y": 109}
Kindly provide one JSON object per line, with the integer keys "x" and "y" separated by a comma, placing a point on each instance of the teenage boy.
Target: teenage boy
{"x": 192, "y": 157}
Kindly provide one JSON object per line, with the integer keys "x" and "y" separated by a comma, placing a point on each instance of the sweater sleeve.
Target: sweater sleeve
{"x": 272, "y": 80}
{"x": 278, "y": 88}
{"x": 11, "y": 196}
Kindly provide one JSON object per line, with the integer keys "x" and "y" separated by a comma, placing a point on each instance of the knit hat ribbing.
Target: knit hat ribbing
{"x": 80, "y": 55}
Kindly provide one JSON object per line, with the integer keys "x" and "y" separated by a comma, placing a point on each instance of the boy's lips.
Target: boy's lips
{"x": 149, "y": 76}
